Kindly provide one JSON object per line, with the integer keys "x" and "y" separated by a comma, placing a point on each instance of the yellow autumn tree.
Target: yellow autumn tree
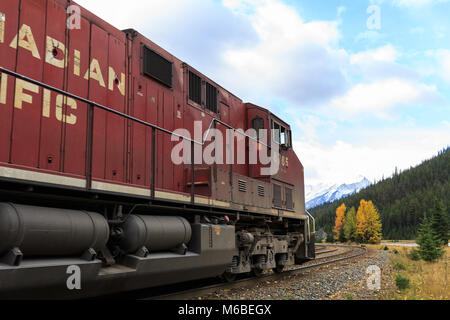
{"x": 361, "y": 221}
{"x": 368, "y": 223}
{"x": 375, "y": 228}
{"x": 340, "y": 217}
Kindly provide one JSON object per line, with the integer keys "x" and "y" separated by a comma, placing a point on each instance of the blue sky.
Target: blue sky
{"x": 362, "y": 99}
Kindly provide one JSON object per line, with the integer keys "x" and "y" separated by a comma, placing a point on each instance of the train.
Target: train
{"x": 102, "y": 189}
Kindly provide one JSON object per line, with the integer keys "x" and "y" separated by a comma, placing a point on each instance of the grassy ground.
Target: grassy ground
{"x": 428, "y": 281}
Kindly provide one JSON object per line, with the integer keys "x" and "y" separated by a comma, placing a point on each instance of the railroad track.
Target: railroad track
{"x": 325, "y": 255}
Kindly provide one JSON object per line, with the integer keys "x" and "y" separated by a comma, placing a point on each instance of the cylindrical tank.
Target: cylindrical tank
{"x": 156, "y": 233}
{"x": 39, "y": 231}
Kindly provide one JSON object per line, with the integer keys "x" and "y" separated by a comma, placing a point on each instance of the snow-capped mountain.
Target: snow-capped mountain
{"x": 322, "y": 193}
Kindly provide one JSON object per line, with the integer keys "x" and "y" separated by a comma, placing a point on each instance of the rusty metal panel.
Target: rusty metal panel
{"x": 261, "y": 194}
{"x": 75, "y": 135}
{"x": 140, "y": 139}
{"x": 242, "y": 191}
{"x": 168, "y": 123}
{"x": 222, "y": 187}
{"x": 98, "y": 93}
{"x": 152, "y": 109}
{"x": 115, "y": 80}
{"x": 56, "y": 109}
{"x": 28, "y": 98}
{"x": 178, "y": 171}
{"x": 9, "y": 20}
{"x": 289, "y": 199}
{"x": 277, "y": 196}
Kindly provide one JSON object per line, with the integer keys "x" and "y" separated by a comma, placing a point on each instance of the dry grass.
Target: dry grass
{"x": 429, "y": 281}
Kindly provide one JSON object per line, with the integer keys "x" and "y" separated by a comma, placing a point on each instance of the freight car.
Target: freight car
{"x": 91, "y": 200}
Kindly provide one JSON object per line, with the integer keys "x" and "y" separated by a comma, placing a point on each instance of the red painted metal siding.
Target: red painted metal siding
{"x": 40, "y": 130}
{"x": 10, "y": 10}
{"x": 115, "y": 125}
{"x": 51, "y": 128}
{"x": 75, "y": 136}
{"x": 27, "y": 120}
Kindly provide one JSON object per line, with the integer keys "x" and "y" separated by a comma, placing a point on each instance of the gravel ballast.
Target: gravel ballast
{"x": 342, "y": 280}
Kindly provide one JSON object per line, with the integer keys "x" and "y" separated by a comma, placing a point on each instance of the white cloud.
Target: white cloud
{"x": 257, "y": 49}
{"x": 292, "y": 60}
{"x": 311, "y": 125}
{"x": 382, "y": 153}
{"x": 380, "y": 64}
{"x": 384, "y": 54}
{"x": 196, "y": 31}
{"x": 409, "y": 3}
{"x": 416, "y": 3}
{"x": 380, "y": 97}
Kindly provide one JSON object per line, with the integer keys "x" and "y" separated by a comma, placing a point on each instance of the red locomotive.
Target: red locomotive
{"x": 92, "y": 202}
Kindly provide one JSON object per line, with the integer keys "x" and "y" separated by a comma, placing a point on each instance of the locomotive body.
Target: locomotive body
{"x": 92, "y": 202}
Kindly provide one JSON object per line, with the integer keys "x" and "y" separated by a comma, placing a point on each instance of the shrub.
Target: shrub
{"x": 402, "y": 282}
{"x": 395, "y": 251}
{"x": 386, "y": 248}
{"x": 348, "y": 297}
{"x": 414, "y": 255}
{"x": 399, "y": 265}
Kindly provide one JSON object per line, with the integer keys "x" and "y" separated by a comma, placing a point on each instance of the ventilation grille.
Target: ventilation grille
{"x": 211, "y": 98}
{"x": 261, "y": 191}
{"x": 157, "y": 67}
{"x": 289, "y": 199}
{"x": 195, "y": 88}
{"x": 277, "y": 201}
{"x": 242, "y": 185}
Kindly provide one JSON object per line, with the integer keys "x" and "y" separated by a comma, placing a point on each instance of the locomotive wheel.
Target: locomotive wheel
{"x": 229, "y": 277}
{"x": 278, "y": 269}
{"x": 257, "y": 272}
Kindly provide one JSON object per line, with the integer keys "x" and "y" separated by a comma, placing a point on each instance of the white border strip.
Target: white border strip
{"x": 14, "y": 173}
{"x": 19, "y": 174}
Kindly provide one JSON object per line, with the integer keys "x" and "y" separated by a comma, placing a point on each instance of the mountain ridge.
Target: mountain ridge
{"x": 322, "y": 193}
{"x": 403, "y": 200}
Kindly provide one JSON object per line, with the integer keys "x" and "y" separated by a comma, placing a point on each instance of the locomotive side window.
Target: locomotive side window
{"x": 211, "y": 97}
{"x": 258, "y": 125}
{"x": 276, "y": 133}
{"x": 289, "y": 138}
{"x": 281, "y": 135}
{"x": 157, "y": 67}
{"x": 195, "y": 88}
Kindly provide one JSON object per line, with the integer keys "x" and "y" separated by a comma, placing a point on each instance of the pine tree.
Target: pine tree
{"x": 340, "y": 217}
{"x": 350, "y": 225}
{"x": 430, "y": 244}
{"x": 440, "y": 222}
